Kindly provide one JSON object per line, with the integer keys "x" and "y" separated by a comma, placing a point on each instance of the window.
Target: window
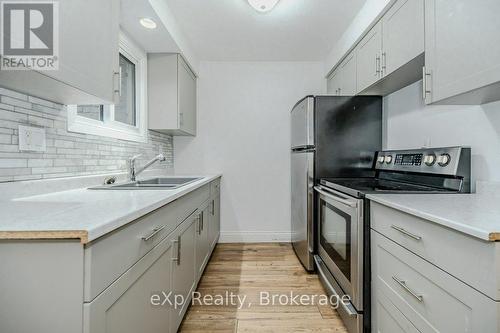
{"x": 127, "y": 119}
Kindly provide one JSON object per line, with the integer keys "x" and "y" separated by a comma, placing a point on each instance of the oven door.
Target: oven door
{"x": 340, "y": 223}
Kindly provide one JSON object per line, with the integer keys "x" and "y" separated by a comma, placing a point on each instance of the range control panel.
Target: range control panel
{"x": 445, "y": 160}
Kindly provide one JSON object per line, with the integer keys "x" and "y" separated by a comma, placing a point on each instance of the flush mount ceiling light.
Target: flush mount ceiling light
{"x": 148, "y": 23}
{"x": 263, "y": 5}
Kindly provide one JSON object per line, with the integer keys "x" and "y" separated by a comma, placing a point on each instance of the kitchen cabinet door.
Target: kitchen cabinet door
{"x": 462, "y": 51}
{"x": 403, "y": 34}
{"x": 368, "y": 58}
{"x": 333, "y": 83}
{"x": 88, "y": 57}
{"x": 348, "y": 75}
{"x": 183, "y": 267}
{"x": 171, "y": 95}
{"x": 387, "y": 318}
{"x": 202, "y": 241}
{"x": 214, "y": 226}
{"x": 125, "y": 306}
{"x": 187, "y": 98}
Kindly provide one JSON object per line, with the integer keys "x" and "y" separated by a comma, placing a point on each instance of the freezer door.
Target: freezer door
{"x": 302, "y": 189}
{"x": 302, "y": 118}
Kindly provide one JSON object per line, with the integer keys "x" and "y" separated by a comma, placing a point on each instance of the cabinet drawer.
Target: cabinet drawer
{"x": 431, "y": 299}
{"x": 111, "y": 255}
{"x": 446, "y": 248}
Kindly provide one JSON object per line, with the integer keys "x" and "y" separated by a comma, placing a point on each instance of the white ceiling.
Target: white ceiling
{"x": 231, "y": 30}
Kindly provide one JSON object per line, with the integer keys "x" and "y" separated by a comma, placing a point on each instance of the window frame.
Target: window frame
{"x": 109, "y": 127}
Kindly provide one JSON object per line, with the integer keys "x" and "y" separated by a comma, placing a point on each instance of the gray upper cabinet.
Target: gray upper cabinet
{"x": 462, "y": 51}
{"x": 88, "y": 57}
{"x": 402, "y": 34}
{"x": 348, "y": 75}
{"x": 333, "y": 83}
{"x": 368, "y": 58}
{"x": 171, "y": 95}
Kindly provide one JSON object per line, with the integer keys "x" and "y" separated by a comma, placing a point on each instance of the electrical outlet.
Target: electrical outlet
{"x": 32, "y": 139}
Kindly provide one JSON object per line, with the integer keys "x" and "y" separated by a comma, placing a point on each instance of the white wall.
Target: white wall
{"x": 244, "y": 133}
{"x": 411, "y": 124}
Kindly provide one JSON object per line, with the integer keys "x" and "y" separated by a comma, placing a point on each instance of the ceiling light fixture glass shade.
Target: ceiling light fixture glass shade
{"x": 148, "y": 23}
{"x": 263, "y": 5}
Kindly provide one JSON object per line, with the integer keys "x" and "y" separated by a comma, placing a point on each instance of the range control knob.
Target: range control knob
{"x": 429, "y": 160}
{"x": 381, "y": 159}
{"x": 388, "y": 159}
{"x": 444, "y": 159}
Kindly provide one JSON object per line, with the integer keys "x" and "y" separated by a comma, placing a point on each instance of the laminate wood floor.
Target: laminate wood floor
{"x": 247, "y": 270}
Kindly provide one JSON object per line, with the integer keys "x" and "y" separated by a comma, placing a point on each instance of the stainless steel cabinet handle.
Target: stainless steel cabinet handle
{"x": 202, "y": 221}
{"x": 213, "y": 208}
{"x": 377, "y": 66}
{"x": 178, "y": 250}
{"x": 153, "y": 233}
{"x": 425, "y": 89}
{"x": 181, "y": 119}
{"x": 335, "y": 197}
{"x": 403, "y": 284}
{"x": 405, "y": 232}
{"x": 118, "y": 82}
{"x": 176, "y": 258}
{"x": 384, "y": 63}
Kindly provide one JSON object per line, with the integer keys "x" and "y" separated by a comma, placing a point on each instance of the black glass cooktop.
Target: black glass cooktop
{"x": 361, "y": 186}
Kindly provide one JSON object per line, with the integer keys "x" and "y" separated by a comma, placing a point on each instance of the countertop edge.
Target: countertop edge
{"x": 80, "y": 235}
{"x": 481, "y": 234}
{"x": 87, "y": 236}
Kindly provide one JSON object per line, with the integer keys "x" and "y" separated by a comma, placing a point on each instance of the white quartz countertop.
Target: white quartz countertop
{"x": 477, "y": 215}
{"x": 82, "y": 213}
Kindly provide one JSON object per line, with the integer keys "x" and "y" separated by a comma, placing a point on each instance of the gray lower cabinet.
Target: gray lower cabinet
{"x": 417, "y": 279}
{"x": 202, "y": 241}
{"x": 183, "y": 268}
{"x": 124, "y": 282}
{"x": 214, "y": 225}
{"x": 125, "y": 307}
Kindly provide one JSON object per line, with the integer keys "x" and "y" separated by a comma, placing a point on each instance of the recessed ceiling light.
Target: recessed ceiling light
{"x": 263, "y": 5}
{"x": 148, "y": 23}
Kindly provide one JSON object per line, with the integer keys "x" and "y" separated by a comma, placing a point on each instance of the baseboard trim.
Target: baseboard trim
{"x": 254, "y": 236}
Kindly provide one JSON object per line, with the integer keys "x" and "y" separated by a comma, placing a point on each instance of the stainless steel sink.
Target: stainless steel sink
{"x": 160, "y": 183}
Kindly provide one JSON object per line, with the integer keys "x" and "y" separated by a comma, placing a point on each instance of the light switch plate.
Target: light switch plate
{"x": 32, "y": 138}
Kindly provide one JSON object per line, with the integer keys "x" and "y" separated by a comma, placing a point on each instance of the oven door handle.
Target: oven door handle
{"x": 348, "y": 308}
{"x": 334, "y": 197}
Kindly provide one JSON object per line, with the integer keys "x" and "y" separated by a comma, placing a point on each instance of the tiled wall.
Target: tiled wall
{"x": 68, "y": 154}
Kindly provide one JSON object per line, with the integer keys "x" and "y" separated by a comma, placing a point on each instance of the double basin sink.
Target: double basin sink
{"x": 161, "y": 183}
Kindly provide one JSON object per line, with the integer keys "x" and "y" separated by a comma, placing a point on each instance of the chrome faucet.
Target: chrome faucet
{"x": 133, "y": 172}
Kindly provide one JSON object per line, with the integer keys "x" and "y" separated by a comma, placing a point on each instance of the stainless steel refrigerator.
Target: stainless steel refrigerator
{"x": 332, "y": 137}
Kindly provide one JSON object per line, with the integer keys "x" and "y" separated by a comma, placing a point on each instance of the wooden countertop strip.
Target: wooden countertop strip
{"x": 495, "y": 236}
{"x": 82, "y": 235}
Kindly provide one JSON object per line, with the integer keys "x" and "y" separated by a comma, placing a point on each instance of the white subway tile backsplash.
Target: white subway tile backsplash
{"x": 68, "y": 154}
{"x": 15, "y": 102}
{"x": 13, "y": 163}
{"x": 5, "y": 138}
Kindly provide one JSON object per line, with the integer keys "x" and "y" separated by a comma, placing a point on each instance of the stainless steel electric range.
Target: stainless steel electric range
{"x": 343, "y": 256}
